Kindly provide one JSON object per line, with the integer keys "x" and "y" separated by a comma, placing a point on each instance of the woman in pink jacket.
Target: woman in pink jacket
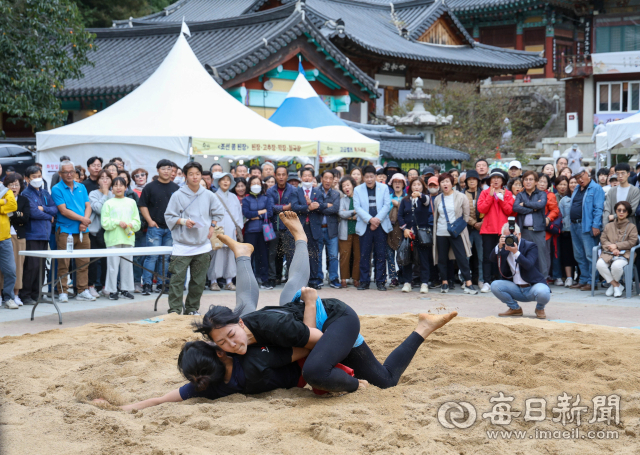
{"x": 496, "y": 202}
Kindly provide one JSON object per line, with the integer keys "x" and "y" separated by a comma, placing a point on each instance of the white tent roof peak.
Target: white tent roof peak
{"x": 179, "y": 100}
{"x": 302, "y": 88}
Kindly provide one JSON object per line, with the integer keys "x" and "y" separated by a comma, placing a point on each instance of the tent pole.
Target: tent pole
{"x": 317, "y": 164}
{"x": 189, "y": 150}
{"x": 609, "y": 158}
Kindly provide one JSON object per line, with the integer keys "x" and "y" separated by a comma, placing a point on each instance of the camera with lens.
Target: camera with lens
{"x": 511, "y": 239}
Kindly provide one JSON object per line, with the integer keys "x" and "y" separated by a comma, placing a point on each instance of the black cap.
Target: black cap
{"x": 472, "y": 174}
{"x": 293, "y": 176}
{"x": 428, "y": 170}
{"x": 497, "y": 172}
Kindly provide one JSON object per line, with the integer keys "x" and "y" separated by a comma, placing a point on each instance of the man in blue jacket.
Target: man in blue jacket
{"x": 329, "y": 200}
{"x": 521, "y": 280}
{"x": 38, "y": 232}
{"x": 587, "y": 204}
{"x": 372, "y": 203}
{"x": 281, "y": 195}
{"x": 305, "y": 204}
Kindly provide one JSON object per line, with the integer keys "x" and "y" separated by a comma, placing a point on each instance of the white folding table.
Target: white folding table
{"x": 94, "y": 255}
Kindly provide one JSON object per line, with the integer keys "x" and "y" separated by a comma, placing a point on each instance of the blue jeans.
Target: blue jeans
{"x": 8, "y": 268}
{"x": 332, "y": 255}
{"x": 511, "y": 294}
{"x": 583, "y": 244}
{"x": 156, "y": 237}
{"x": 141, "y": 242}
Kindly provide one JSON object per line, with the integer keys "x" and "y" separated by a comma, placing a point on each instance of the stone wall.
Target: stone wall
{"x": 546, "y": 88}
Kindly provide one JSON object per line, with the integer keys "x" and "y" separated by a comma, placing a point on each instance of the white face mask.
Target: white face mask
{"x": 433, "y": 190}
{"x": 178, "y": 180}
{"x": 255, "y": 189}
{"x": 307, "y": 185}
{"x": 36, "y": 183}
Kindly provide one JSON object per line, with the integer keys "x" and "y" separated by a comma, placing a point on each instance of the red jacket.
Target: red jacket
{"x": 551, "y": 210}
{"x": 495, "y": 211}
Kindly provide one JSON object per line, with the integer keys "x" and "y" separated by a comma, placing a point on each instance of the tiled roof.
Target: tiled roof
{"x": 414, "y": 150}
{"x": 126, "y": 57}
{"x": 370, "y": 25}
{"x": 196, "y": 11}
{"x": 396, "y": 145}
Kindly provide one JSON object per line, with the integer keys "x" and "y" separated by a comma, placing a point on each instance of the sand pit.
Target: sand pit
{"x": 468, "y": 360}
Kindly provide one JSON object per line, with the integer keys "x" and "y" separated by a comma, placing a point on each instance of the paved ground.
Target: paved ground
{"x": 566, "y": 306}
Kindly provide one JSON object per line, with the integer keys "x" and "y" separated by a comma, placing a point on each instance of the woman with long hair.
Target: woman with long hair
{"x": 414, "y": 214}
{"x": 356, "y": 174}
{"x": 240, "y": 189}
{"x": 567, "y": 260}
{"x": 97, "y": 198}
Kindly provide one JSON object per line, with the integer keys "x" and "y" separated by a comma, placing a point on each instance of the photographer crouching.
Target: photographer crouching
{"x": 521, "y": 280}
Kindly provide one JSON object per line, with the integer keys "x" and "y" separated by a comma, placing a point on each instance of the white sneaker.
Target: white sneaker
{"x": 406, "y": 287}
{"x": 424, "y": 288}
{"x": 85, "y": 296}
{"x": 610, "y": 290}
{"x": 486, "y": 288}
{"x": 617, "y": 292}
{"x": 63, "y": 298}
{"x": 10, "y": 304}
{"x": 104, "y": 293}
{"x": 568, "y": 282}
{"x": 17, "y": 300}
{"x": 559, "y": 282}
{"x": 93, "y": 292}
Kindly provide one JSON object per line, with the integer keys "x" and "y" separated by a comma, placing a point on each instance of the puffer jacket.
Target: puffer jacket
{"x": 39, "y": 225}
{"x": 250, "y": 207}
{"x": 8, "y": 204}
{"x": 495, "y": 211}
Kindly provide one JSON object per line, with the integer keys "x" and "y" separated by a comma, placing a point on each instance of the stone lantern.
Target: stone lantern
{"x": 419, "y": 120}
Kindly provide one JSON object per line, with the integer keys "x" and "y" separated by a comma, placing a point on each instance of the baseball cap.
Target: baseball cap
{"x": 515, "y": 164}
{"x": 433, "y": 181}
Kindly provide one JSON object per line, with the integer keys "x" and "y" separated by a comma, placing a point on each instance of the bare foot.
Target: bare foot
{"x": 429, "y": 323}
{"x": 292, "y": 222}
{"x": 362, "y": 384}
{"x": 239, "y": 249}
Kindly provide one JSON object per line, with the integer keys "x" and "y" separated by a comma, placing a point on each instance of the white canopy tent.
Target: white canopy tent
{"x": 621, "y": 133}
{"x": 179, "y": 101}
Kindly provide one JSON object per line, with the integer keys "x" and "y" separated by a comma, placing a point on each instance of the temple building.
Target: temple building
{"x": 360, "y": 57}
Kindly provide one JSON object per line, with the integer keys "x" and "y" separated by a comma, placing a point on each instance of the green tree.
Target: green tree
{"x": 478, "y": 120}
{"x": 43, "y": 44}
{"x": 100, "y": 13}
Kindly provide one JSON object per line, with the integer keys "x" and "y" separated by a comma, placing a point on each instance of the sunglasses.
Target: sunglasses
{"x": 137, "y": 176}
{"x": 621, "y": 210}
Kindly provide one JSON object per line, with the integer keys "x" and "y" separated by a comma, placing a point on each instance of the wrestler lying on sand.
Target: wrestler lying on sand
{"x": 245, "y": 334}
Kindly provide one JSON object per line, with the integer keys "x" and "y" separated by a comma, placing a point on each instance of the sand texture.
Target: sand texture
{"x": 45, "y": 377}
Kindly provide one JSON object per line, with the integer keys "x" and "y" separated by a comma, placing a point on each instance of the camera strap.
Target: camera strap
{"x": 500, "y": 267}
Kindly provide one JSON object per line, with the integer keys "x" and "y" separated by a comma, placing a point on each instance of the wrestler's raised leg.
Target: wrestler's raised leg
{"x": 247, "y": 290}
{"x": 299, "y": 267}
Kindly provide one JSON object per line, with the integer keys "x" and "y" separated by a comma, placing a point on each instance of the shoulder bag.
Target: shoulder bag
{"x": 423, "y": 235}
{"x": 239, "y": 236}
{"x": 455, "y": 228}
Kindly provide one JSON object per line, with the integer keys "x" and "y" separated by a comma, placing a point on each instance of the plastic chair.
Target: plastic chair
{"x": 630, "y": 271}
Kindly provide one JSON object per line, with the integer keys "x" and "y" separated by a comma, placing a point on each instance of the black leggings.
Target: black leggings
{"x": 444, "y": 243}
{"x": 366, "y": 366}
{"x": 335, "y": 344}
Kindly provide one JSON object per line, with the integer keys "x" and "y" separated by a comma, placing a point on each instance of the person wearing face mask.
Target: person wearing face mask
{"x": 43, "y": 212}
{"x": 433, "y": 187}
{"x": 258, "y": 208}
